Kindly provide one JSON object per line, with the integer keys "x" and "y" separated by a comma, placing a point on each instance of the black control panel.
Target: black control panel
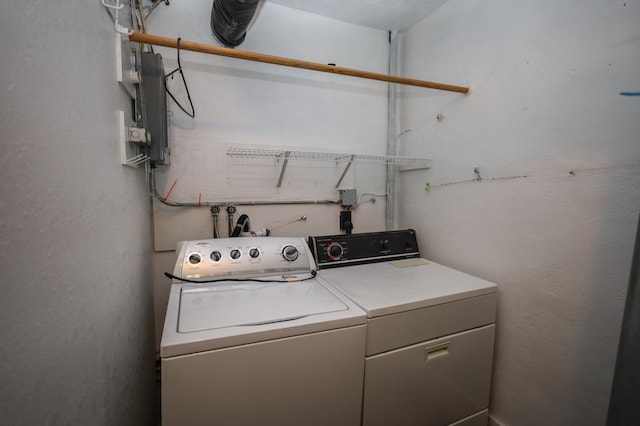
{"x": 332, "y": 251}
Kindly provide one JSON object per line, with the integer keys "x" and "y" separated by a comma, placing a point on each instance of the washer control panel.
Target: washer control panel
{"x": 242, "y": 257}
{"x": 343, "y": 250}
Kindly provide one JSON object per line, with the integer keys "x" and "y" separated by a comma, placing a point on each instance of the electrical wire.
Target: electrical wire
{"x": 300, "y": 218}
{"x": 154, "y": 5}
{"x": 372, "y": 199}
{"x": 254, "y": 280}
{"x": 142, "y": 20}
{"x": 191, "y": 114}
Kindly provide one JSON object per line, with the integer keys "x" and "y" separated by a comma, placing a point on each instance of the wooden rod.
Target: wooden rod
{"x": 287, "y": 62}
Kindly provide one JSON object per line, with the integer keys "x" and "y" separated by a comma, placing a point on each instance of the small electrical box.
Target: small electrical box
{"x": 348, "y": 197}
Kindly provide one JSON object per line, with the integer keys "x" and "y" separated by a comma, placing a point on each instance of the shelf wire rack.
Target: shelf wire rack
{"x": 285, "y": 155}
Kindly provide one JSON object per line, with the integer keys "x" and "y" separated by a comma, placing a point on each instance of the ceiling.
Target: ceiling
{"x": 380, "y": 14}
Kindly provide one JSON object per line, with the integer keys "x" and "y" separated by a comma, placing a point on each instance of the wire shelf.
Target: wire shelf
{"x": 283, "y": 154}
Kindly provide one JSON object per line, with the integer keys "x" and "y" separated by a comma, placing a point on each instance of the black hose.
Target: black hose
{"x": 242, "y": 224}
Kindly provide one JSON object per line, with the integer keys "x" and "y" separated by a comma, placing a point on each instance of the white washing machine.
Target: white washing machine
{"x": 255, "y": 338}
{"x": 430, "y": 332}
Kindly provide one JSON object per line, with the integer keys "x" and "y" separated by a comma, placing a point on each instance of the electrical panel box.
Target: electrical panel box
{"x": 348, "y": 197}
{"x": 153, "y": 103}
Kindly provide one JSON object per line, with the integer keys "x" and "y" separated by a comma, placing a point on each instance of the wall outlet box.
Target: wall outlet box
{"x": 348, "y": 197}
{"x": 345, "y": 220}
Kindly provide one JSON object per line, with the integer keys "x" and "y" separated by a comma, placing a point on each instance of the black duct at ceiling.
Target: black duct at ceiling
{"x": 230, "y": 19}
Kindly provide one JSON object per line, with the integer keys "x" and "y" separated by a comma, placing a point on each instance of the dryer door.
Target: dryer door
{"x": 432, "y": 383}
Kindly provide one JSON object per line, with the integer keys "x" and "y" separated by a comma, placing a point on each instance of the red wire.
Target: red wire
{"x": 169, "y": 193}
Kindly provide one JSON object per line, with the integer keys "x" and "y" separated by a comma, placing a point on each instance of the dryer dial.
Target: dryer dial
{"x": 335, "y": 251}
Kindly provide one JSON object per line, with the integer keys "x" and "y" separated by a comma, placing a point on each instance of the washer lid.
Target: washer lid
{"x": 252, "y": 304}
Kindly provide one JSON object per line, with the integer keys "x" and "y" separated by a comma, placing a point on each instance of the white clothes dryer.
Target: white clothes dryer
{"x": 430, "y": 333}
{"x": 253, "y": 337}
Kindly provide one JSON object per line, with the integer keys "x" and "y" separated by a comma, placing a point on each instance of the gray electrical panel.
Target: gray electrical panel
{"x": 153, "y": 102}
{"x": 348, "y": 197}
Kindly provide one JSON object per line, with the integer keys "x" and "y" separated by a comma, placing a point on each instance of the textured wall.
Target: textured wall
{"x": 553, "y": 219}
{"x": 76, "y": 306}
{"x": 241, "y": 103}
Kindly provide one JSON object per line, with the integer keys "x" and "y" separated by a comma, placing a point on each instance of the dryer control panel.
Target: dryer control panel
{"x": 344, "y": 250}
{"x": 242, "y": 257}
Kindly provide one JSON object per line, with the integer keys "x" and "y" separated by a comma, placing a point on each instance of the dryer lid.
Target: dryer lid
{"x": 231, "y": 304}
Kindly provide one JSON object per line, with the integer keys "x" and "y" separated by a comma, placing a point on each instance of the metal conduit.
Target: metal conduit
{"x": 153, "y": 192}
{"x": 391, "y": 134}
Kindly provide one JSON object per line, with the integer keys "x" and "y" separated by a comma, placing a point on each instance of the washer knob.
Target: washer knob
{"x": 194, "y": 258}
{"x": 235, "y": 254}
{"x": 215, "y": 256}
{"x": 254, "y": 252}
{"x": 290, "y": 253}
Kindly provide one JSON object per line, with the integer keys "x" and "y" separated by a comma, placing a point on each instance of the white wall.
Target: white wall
{"x": 553, "y": 220}
{"x": 240, "y": 103}
{"x": 76, "y": 304}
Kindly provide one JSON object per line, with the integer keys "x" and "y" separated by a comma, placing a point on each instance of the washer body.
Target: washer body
{"x": 285, "y": 348}
{"x": 430, "y": 332}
